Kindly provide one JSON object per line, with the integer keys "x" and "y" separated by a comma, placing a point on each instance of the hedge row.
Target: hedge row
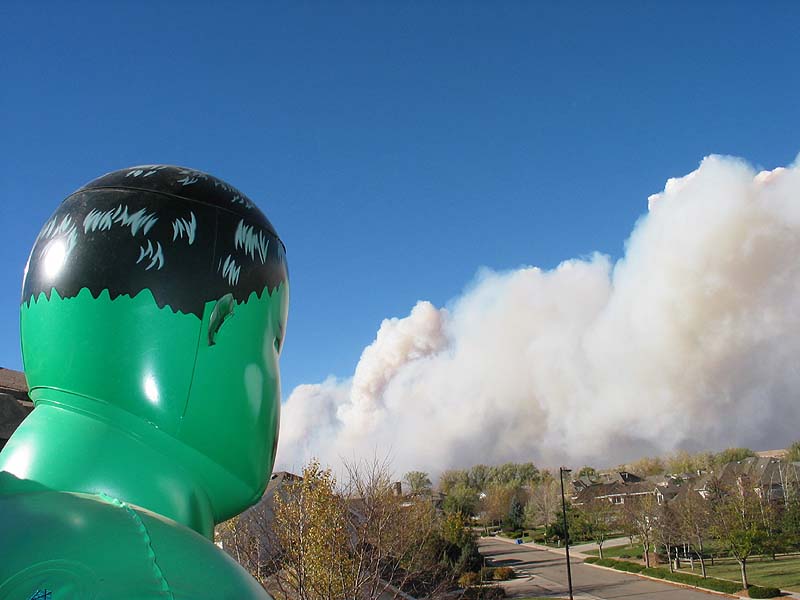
{"x": 496, "y": 573}
{"x": 493, "y": 592}
{"x": 469, "y": 578}
{"x": 709, "y": 583}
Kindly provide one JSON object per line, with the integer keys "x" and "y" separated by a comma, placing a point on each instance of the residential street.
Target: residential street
{"x": 550, "y": 576}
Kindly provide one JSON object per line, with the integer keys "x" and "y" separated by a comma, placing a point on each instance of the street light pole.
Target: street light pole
{"x": 561, "y": 472}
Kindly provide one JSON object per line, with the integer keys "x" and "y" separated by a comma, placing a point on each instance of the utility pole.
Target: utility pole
{"x": 561, "y": 472}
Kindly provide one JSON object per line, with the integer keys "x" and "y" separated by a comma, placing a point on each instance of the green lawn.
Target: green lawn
{"x": 634, "y": 551}
{"x": 784, "y": 572}
{"x": 626, "y": 551}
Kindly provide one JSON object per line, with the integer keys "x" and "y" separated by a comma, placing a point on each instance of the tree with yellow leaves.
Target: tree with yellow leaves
{"x": 311, "y": 535}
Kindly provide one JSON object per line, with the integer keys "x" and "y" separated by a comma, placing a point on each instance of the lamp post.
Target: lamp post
{"x": 561, "y": 472}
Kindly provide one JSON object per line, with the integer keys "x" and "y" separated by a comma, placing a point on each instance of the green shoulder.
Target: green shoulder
{"x": 86, "y": 547}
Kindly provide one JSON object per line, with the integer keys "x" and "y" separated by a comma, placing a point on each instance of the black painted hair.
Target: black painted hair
{"x": 186, "y": 236}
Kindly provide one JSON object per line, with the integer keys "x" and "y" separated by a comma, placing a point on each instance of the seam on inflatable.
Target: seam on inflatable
{"x": 157, "y": 572}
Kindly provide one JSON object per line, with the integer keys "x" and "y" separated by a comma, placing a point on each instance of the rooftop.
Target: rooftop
{"x": 13, "y": 381}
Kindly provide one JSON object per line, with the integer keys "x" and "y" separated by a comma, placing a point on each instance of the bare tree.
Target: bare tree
{"x": 694, "y": 516}
{"x": 736, "y": 521}
{"x": 359, "y": 540}
{"x": 599, "y": 517}
{"x": 391, "y": 538}
{"x": 667, "y": 532}
{"x": 240, "y": 537}
{"x": 544, "y": 500}
{"x": 770, "y": 523}
{"x": 639, "y": 514}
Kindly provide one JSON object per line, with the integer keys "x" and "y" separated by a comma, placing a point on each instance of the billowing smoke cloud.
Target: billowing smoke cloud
{"x": 691, "y": 340}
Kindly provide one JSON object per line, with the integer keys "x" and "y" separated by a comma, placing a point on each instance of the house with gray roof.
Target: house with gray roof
{"x": 15, "y": 404}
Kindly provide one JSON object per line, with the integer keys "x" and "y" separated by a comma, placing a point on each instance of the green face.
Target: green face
{"x": 171, "y": 310}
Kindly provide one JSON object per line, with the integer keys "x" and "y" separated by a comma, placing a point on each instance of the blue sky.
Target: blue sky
{"x": 397, "y": 147}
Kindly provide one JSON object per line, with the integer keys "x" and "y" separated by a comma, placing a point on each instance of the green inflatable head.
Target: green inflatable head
{"x": 153, "y": 312}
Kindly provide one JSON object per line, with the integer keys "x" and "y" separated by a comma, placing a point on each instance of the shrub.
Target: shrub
{"x": 709, "y": 583}
{"x": 487, "y": 573}
{"x": 630, "y": 567}
{"x": 720, "y": 585}
{"x": 757, "y": 591}
{"x": 494, "y": 592}
{"x": 469, "y": 559}
{"x": 686, "y": 578}
{"x": 503, "y": 573}
{"x": 469, "y": 578}
{"x": 607, "y": 562}
{"x": 659, "y": 572}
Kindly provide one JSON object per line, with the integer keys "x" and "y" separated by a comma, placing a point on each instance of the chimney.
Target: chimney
{"x": 397, "y": 487}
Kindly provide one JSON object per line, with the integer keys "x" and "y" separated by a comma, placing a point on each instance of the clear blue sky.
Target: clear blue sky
{"x": 396, "y": 146}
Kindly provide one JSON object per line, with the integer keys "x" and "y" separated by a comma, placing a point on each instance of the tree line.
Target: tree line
{"x": 328, "y": 539}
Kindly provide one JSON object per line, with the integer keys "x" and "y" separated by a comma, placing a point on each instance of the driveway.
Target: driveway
{"x": 543, "y": 573}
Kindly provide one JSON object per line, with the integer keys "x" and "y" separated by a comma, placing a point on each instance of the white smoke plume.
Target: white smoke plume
{"x": 691, "y": 340}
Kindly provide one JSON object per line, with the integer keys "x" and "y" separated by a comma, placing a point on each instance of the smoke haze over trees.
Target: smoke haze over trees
{"x": 688, "y": 341}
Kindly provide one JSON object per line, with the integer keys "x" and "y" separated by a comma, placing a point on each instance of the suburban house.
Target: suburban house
{"x": 667, "y": 489}
{"x": 615, "y": 487}
{"x": 15, "y": 404}
{"x": 768, "y": 476}
{"x": 617, "y": 492}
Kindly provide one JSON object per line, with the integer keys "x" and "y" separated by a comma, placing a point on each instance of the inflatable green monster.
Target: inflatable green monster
{"x": 153, "y": 312}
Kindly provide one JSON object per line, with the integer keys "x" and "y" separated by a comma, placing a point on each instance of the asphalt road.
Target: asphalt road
{"x": 549, "y": 576}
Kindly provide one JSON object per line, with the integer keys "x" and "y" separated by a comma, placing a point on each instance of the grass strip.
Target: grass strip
{"x": 708, "y": 583}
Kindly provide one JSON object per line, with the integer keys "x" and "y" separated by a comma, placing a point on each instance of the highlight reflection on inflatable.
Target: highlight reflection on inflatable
{"x": 153, "y": 311}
